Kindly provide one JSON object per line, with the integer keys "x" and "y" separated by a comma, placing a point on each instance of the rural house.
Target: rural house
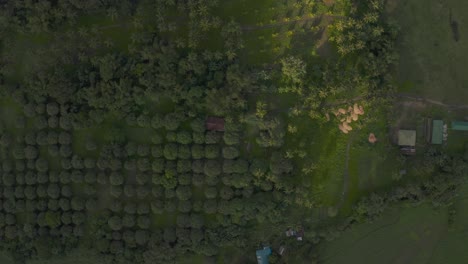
{"x": 437, "y": 132}
{"x": 460, "y": 126}
{"x": 263, "y": 254}
{"x": 407, "y": 141}
{"x": 214, "y": 123}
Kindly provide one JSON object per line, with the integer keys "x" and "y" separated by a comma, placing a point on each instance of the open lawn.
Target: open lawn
{"x": 405, "y": 235}
{"x": 432, "y": 47}
{"x": 399, "y": 236}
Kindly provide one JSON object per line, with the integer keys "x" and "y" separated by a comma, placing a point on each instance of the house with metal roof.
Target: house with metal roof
{"x": 263, "y": 254}
{"x": 437, "y": 132}
{"x": 460, "y": 126}
{"x": 407, "y": 141}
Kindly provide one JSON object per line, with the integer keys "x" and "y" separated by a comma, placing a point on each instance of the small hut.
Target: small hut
{"x": 214, "y": 123}
{"x": 407, "y": 141}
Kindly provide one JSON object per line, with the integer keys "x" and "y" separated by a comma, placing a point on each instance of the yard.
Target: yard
{"x": 433, "y": 50}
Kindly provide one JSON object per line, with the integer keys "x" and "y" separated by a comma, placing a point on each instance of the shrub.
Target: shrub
{"x": 157, "y": 151}
{"x": 198, "y": 137}
{"x": 231, "y": 138}
{"x": 211, "y": 151}
{"x": 115, "y": 223}
{"x": 198, "y": 125}
{"x": 230, "y": 152}
{"x": 184, "y": 137}
{"x": 212, "y": 137}
{"x": 42, "y": 165}
{"x": 53, "y": 109}
{"x": 212, "y": 168}
{"x": 184, "y": 192}
{"x": 116, "y": 178}
{"x": 53, "y": 122}
{"x": 198, "y": 151}
{"x": 170, "y": 151}
{"x": 184, "y": 152}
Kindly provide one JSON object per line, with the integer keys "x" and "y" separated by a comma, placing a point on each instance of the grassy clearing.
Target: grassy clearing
{"x": 432, "y": 62}
{"x": 408, "y": 236}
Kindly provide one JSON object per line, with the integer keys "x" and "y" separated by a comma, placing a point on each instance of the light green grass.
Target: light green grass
{"x": 432, "y": 63}
{"x": 400, "y": 236}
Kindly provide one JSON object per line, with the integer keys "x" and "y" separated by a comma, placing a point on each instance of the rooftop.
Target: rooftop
{"x": 461, "y": 126}
{"x": 214, "y": 123}
{"x": 407, "y": 138}
{"x": 262, "y": 255}
{"x": 437, "y": 131}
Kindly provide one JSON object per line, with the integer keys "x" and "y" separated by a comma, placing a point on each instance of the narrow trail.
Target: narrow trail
{"x": 344, "y": 193}
{"x": 292, "y": 21}
{"x": 401, "y": 96}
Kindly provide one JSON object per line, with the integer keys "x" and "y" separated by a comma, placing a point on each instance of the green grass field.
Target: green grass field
{"x": 399, "y": 236}
{"x": 432, "y": 62}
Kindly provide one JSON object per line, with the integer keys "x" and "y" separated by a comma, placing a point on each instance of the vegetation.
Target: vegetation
{"x": 105, "y": 151}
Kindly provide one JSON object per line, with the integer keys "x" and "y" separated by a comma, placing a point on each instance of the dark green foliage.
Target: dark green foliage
{"x": 212, "y": 168}
{"x": 212, "y": 137}
{"x": 230, "y": 152}
{"x": 184, "y": 152}
{"x": 184, "y": 192}
{"x": 184, "y": 137}
{"x": 212, "y": 151}
{"x": 115, "y": 223}
{"x": 116, "y": 178}
{"x": 231, "y": 138}
{"x": 170, "y": 151}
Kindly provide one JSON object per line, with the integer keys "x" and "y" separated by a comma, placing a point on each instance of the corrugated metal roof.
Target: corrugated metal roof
{"x": 407, "y": 138}
{"x": 461, "y": 126}
{"x": 437, "y": 131}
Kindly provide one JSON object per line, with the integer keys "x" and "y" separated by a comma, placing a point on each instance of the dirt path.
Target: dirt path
{"x": 344, "y": 193}
{"x": 292, "y": 21}
{"x": 405, "y": 97}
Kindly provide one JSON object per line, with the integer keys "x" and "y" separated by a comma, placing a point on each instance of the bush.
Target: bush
{"x": 77, "y": 176}
{"x": 143, "y": 150}
{"x": 170, "y": 151}
{"x": 184, "y": 166}
{"x": 53, "y": 150}
{"x": 211, "y": 192}
{"x": 184, "y": 137}
{"x": 230, "y": 152}
{"x": 53, "y": 122}
{"x": 212, "y": 137}
{"x": 198, "y": 152}
{"x": 198, "y": 125}
{"x": 212, "y": 168}
{"x": 231, "y": 138}
{"x": 143, "y": 121}
{"x": 157, "y": 122}
{"x": 143, "y": 222}
{"x": 171, "y": 136}
{"x": 53, "y": 109}
{"x": 157, "y": 151}
{"x": 226, "y": 193}
{"x": 184, "y": 206}
{"x": 90, "y": 177}
{"x": 116, "y": 178}
{"x": 42, "y": 165}
{"x": 115, "y": 223}
{"x": 184, "y": 152}
{"x": 77, "y": 204}
{"x": 142, "y": 192}
{"x": 40, "y": 122}
{"x": 157, "y": 207}
{"x": 158, "y": 165}
{"x": 184, "y": 192}
{"x": 129, "y": 191}
{"x": 66, "y": 191}
{"x": 198, "y": 137}
{"x": 53, "y": 191}
{"x": 198, "y": 179}
{"x": 211, "y": 151}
